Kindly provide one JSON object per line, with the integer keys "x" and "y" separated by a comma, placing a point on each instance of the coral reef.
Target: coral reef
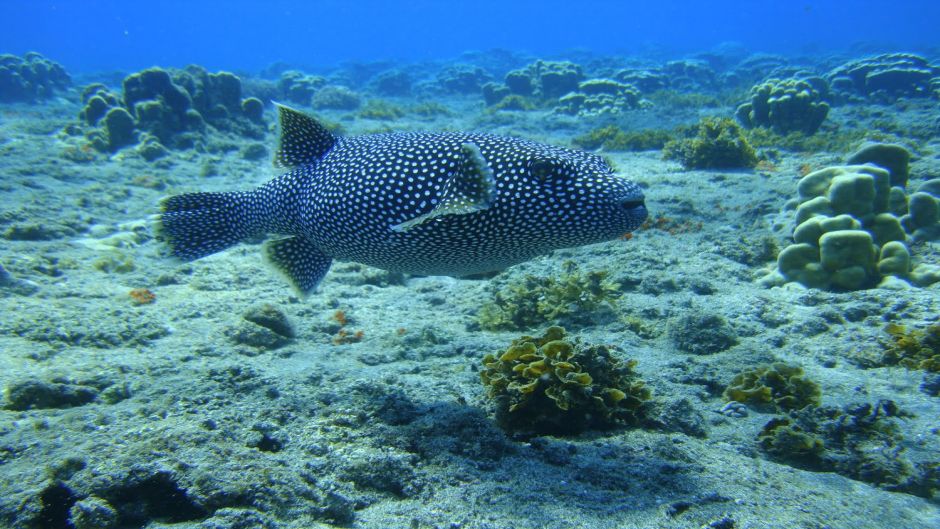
{"x": 168, "y": 108}
{"x": 690, "y": 75}
{"x": 546, "y": 79}
{"x": 532, "y": 301}
{"x": 788, "y": 105}
{"x": 718, "y": 144}
{"x": 852, "y": 226}
{"x": 779, "y": 386}
{"x": 31, "y": 77}
{"x": 595, "y": 97}
{"x": 860, "y": 441}
{"x": 541, "y": 82}
{"x": 646, "y": 81}
{"x": 884, "y": 77}
{"x": 463, "y": 79}
{"x": 298, "y": 87}
{"x": 553, "y": 384}
{"x": 395, "y": 83}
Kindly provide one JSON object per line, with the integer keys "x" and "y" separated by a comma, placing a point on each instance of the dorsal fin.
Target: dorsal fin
{"x": 303, "y": 139}
{"x": 472, "y": 188}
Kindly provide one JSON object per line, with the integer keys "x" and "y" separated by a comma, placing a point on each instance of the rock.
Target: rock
{"x": 30, "y": 78}
{"x": 35, "y": 394}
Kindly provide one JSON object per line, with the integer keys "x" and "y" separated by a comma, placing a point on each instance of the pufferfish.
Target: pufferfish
{"x": 445, "y": 203}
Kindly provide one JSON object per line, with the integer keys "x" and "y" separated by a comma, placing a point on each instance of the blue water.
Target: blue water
{"x": 248, "y": 35}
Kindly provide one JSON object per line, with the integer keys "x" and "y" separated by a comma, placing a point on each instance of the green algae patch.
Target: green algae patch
{"x": 913, "y": 349}
{"x": 381, "y": 110}
{"x": 532, "y": 300}
{"x": 613, "y": 138}
{"x": 861, "y": 441}
{"x": 555, "y": 385}
{"x": 779, "y": 386}
{"x": 719, "y": 143}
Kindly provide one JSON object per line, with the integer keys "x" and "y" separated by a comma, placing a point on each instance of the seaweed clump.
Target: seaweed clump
{"x": 779, "y": 386}
{"x": 859, "y": 441}
{"x": 612, "y": 138}
{"x": 718, "y": 143}
{"x": 534, "y": 300}
{"x": 916, "y": 349}
{"x": 553, "y": 384}
{"x": 379, "y": 109}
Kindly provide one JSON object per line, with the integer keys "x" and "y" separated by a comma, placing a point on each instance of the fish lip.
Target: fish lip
{"x": 633, "y": 202}
{"x": 635, "y": 207}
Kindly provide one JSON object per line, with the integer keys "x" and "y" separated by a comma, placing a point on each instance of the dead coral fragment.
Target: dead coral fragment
{"x": 780, "y": 386}
{"x": 916, "y": 349}
{"x": 555, "y": 385}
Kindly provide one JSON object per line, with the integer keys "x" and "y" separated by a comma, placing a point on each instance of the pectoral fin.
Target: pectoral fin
{"x": 472, "y": 188}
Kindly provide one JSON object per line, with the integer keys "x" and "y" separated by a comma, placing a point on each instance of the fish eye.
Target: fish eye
{"x": 541, "y": 169}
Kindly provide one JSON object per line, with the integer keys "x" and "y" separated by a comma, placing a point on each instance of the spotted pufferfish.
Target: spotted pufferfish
{"x": 448, "y": 203}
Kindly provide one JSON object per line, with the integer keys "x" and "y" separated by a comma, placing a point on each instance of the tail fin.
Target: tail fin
{"x": 195, "y": 225}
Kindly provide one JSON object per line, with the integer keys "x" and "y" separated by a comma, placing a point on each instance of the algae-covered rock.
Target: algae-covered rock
{"x": 553, "y": 384}
{"x": 30, "y": 78}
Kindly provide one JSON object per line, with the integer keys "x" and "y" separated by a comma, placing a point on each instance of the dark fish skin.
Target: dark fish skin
{"x": 449, "y": 203}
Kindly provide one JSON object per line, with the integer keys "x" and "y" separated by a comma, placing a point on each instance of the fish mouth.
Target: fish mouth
{"x": 635, "y": 206}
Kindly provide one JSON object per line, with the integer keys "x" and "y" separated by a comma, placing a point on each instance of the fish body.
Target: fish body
{"x": 449, "y": 203}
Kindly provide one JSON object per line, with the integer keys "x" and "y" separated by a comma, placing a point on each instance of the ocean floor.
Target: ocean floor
{"x": 138, "y": 395}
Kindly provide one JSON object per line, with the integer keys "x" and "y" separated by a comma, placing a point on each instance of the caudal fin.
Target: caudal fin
{"x": 195, "y": 225}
